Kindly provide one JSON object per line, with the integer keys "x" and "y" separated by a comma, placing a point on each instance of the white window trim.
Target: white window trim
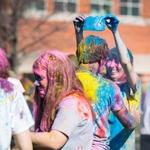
{"x": 134, "y": 20}
{"x": 65, "y": 2}
{"x": 130, "y": 20}
{"x": 101, "y": 3}
{"x": 131, "y": 5}
{"x": 35, "y": 13}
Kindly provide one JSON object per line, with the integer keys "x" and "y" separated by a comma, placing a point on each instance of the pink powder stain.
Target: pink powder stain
{"x": 3, "y": 59}
{"x": 83, "y": 109}
{"x": 112, "y": 64}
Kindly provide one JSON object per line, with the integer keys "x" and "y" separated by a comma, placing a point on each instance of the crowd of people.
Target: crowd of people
{"x": 89, "y": 100}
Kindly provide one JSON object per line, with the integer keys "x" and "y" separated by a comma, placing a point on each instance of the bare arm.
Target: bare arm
{"x": 127, "y": 120}
{"x": 53, "y": 139}
{"x": 24, "y": 140}
{"x": 78, "y": 26}
{"x": 125, "y": 60}
{"x": 123, "y": 52}
{"x": 119, "y": 109}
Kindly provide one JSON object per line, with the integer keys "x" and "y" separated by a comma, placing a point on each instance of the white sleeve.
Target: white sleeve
{"x": 21, "y": 115}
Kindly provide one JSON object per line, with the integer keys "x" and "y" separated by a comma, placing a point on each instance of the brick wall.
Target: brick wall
{"x": 52, "y": 35}
{"x": 49, "y": 5}
{"x": 145, "y": 8}
{"x": 115, "y": 7}
{"x": 84, "y": 6}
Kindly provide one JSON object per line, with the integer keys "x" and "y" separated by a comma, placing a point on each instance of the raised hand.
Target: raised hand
{"x": 78, "y": 23}
{"x": 112, "y": 22}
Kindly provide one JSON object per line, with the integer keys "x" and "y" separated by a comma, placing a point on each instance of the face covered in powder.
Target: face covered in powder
{"x": 115, "y": 71}
{"x": 49, "y": 76}
{"x": 114, "y": 68}
{"x": 41, "y": 79}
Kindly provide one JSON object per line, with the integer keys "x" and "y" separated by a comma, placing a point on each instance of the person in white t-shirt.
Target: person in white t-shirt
{"x": 15, "y": 116}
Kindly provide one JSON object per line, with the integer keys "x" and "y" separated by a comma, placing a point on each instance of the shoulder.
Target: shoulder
{"x": 76, "y": 105}
{"x": 108, "y": 84}
{"x": 72, "y": 100}
{"x": 85, "y": 75}
{"x": 16, "y": 83}
{"x": 75, "y": 101}
{"x": 6, "y": 90}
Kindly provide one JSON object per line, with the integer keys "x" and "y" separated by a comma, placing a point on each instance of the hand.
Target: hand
{"x": 112, "y": 23}
{"x": 78, "y": 23}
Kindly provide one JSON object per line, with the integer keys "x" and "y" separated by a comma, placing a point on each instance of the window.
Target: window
{"x": 101, "y": 6}
{"x": 65, "y": 6}
{"x": 35, "y": 5}
{"x": 130, "y": 7}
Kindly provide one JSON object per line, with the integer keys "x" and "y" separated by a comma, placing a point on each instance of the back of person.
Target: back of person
{"x": 76, "y": 113}
{"x": 5, "y": 117}
{"x": 15, "y": 117}
{"x": 106, "y": 97}
{"x": 94, "y": 49}
{"x": 14, "y": 114}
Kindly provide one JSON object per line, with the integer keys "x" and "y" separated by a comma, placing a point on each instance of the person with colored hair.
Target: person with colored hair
{"x": 121, "y": 72}
{"x": 63, "y": 115}
{"x": 15, "y": 117}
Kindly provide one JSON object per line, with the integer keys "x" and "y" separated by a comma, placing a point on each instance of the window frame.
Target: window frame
{"x": 65, "y": 8}
{"x": 101, "y": 4}
{"x": 130, "y": 5}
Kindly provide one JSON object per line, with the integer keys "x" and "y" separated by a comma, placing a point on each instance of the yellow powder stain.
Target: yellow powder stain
{"x": 90, "y": 84}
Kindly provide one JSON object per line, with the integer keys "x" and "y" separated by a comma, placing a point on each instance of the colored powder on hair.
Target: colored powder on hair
{"x": 3, "y": 60}
{"x": 4, "y": 64}
{"x": 94, "y": 39}
{"x": 91, "y": 49}
{"x": 59, "y": 76}
{"x": 83, "y": 53}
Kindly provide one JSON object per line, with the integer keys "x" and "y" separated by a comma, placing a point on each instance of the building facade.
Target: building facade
{"x": 55, "y": 28}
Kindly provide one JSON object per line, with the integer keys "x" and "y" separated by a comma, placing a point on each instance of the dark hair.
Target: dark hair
{"x": 114, "y": 53}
